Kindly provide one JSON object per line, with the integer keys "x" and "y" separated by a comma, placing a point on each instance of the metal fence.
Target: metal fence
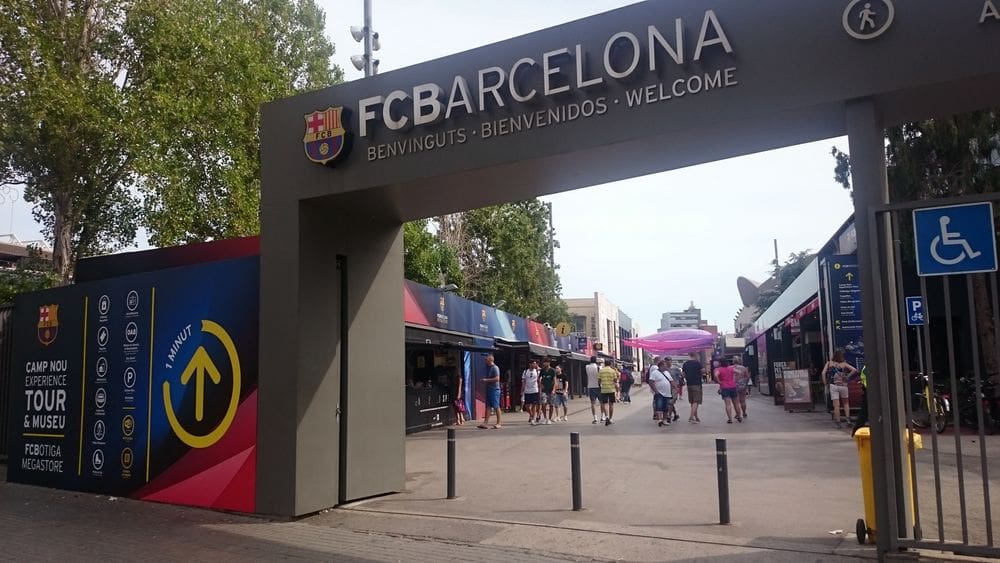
{"x": 6, "y": 353}
{"x": 945, "y": 391}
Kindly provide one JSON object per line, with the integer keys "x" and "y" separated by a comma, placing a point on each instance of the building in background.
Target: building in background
{"x": 596, "y": 317}
{"x": 13, "y": 251}
{"x": 601, "y": 320}
{"x": 627, "y": 328}
{"x": 688, "y": 318}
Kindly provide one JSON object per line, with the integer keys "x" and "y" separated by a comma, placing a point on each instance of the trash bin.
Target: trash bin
{"x": 865, "y": 527}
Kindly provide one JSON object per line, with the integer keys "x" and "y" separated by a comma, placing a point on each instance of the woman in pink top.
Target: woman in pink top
{"x": 726, "y": 378}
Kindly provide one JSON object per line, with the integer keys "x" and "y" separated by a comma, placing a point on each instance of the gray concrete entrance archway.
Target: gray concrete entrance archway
{"x": 646, "y": 88}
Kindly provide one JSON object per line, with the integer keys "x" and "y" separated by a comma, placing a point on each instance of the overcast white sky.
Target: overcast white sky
{"x": 679, "y": 236}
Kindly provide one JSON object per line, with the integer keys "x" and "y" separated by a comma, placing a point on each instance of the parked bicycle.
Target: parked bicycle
{"x": 924, "y": 403}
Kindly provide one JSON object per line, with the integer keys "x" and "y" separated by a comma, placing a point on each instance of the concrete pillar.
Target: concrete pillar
{"x": 330, "y": 426}
{"x": 880, "y": 317}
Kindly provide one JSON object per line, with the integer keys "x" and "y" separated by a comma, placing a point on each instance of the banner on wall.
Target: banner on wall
{"x": 142, "y": 386}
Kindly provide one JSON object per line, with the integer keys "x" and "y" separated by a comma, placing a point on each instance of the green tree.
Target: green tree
{"x": 104, "y": 102}
{"x": 784, "y": 275}
{"x": 507, "y": 255}
{"x": 428, "y": 260}
{"x": 952, "y": 156}
{"x": 32, "y": 273}
{"x": 205, "y": 69}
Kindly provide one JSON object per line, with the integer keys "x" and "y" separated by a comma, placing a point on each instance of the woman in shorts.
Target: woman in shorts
{"x": 726, "y": 378}
{"x": 836, "y": 374}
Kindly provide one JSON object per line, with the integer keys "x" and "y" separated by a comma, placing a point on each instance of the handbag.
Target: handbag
{"x": 460, "y": 405}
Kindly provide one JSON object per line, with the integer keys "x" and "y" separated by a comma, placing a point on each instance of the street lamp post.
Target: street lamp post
{"x": 369, "y": 39}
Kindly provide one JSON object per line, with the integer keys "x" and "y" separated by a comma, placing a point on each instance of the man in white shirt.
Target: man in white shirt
{"x": 529, "y": 391}
{"x": 661, "y": 384}
{"x": 593, "y": 386}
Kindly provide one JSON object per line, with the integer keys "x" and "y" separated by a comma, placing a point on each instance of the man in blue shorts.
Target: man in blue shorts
{"x": 492, "y": 381}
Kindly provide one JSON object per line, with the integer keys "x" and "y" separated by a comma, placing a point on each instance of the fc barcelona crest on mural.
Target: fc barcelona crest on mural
{"x": 48, "y": 323}
{"x": 325, "y": 139}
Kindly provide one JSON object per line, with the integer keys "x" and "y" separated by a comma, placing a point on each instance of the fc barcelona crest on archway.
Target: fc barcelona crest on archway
{"x": 325, "y": 139}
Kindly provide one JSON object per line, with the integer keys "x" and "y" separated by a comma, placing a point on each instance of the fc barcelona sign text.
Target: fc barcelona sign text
{"x": 686, "y": 58}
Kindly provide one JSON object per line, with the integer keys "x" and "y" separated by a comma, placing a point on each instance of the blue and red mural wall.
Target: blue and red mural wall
{"x": 141, "y": 385}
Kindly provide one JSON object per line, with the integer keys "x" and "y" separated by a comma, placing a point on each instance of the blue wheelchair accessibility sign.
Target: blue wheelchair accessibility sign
{"x": 957, "y": 239}
{"x": 915, "y": 315}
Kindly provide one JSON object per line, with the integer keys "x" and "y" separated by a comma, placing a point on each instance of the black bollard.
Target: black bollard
{"x": 574, "y": 460}
{"x": 720, "y": 460}
{"x": 451, "y": 463}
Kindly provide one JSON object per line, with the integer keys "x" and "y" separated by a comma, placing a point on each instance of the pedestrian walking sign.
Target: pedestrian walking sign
{"x": 956, "y": 239}
{"x": 915, "y": 315}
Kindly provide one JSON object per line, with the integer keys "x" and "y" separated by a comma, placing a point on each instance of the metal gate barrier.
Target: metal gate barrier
{"x": 940, "y": 336}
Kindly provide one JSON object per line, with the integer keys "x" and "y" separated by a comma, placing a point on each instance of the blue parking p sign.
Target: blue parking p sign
{"x": 956, "y": 239}
{"x": 915, "y": 314}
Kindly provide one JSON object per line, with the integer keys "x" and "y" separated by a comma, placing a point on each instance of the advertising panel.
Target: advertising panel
{"x": 142, "y": 386}
{"x": 797, "y": 392}
{"x": 845, "y": 294}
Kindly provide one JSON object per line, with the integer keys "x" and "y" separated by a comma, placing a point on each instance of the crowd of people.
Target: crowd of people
{"x": 545, "y": 390}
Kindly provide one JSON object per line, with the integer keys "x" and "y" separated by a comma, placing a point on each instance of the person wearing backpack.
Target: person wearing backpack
{"x": 626, "y": 383}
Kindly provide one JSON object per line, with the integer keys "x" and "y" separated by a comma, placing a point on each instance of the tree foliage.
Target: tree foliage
{"x": 508, "y": 256}
{"x": 502, "y": 253}
{"x": 784, "y": 275}
{"x": 427, "y": 259}
{"x": 121, "y": 113}
{"x": 205, "y": 69}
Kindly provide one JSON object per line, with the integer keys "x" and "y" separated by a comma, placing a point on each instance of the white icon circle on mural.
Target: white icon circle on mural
{"x": 102, "y": 367}
{"x": 99, "y": 430}
{"x": 97, "y": 459}
{"x": 102, "y": 336}
{"x": 104, "y": 305}
{"x": 132, "y": 301}
{"x": 101, "y": 398}
{"x": 131, "y": 332}
{"x": 868, "y": 19}
{"x": 129, "y": 377}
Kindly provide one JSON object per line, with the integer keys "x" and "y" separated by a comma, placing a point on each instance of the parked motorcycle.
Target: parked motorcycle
{"x": 968, "y": 399}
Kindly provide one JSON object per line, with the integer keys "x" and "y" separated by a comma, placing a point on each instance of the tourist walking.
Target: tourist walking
{"x": 530, "y": 392}
{"x": 836, "y": 374}
{"x": 726, "y": 378}
{"x": 492, "y": 381}
{"x": 742, "y": 384}
{"x": 593, "y": 386}
{"x": 607, "y": 379}
{"x": 547, "y": 382}
{"x": 693, "y": 380}
{"x": 560, "y": 395}
{"x": 459, "y": 402}
{"x": 626, "y": 381}
{"x": 677, "y": 377}
{"x": 661, "y": 384}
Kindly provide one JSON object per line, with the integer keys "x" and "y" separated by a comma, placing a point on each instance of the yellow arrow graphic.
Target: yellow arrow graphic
{"x": 199, "y": 364}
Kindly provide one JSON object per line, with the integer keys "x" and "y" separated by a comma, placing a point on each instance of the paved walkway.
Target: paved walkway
{"x": 650, "y": 495}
